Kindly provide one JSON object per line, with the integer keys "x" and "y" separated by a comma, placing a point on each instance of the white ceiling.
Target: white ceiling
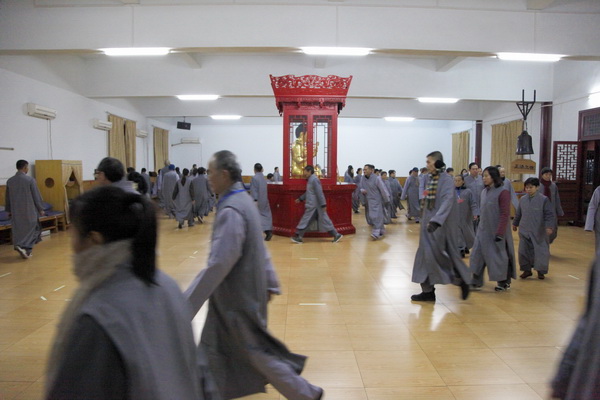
{"x": 436, "y": 48}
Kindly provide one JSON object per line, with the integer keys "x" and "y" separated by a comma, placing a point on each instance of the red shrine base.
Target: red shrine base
{"x": 287, "y": 214}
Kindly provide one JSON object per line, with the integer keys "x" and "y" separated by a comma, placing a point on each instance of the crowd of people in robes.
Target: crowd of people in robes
{"x": 98, "y": 353}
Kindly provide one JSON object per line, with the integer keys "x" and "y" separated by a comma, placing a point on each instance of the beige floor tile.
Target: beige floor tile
{"x": 370, "y": 315}
{"x": 318, "y": 337}
{"x": 494, "y": 392}
{"x": 410, "y": 393}
{"x": 381, "y": 337}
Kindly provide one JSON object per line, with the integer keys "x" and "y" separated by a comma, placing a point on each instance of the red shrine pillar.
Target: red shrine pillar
{"x": 310, "y": 105}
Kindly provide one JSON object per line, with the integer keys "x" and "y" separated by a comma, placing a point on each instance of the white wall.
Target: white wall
{"x": 399, "y": 146}
{"x": 68, "y": 137}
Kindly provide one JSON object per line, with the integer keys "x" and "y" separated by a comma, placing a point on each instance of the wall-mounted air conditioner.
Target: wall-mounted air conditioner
{"x": 102, "y": 125}
{"x": 35, "y": 110}
{"x": 190, "y": 140}
{"x": 141, "y": 134}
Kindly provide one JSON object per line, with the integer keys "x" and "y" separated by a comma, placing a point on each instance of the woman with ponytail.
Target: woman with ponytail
{"x": 183, "y": 197}
{"x": 126, "y": 332}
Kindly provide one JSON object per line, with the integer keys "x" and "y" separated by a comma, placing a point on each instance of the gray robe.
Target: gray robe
{"x": 148, "y": 183}
{"x": 125, "y": 185}
{"x": 202, "y": 195}
{"x": 277, "y": 177}
{"x": 357, "y": 196}
{"x": 348, "y": 178}
{"x": 243, "y": 355}
{"x": 592, "y": 219}
{"x": 314, "y": 201}
{"x": 258, "y": 191}
{"x": 438, "y": 259}
{"x": 376, "y": 196}
{"x": 24, "y": 202}
{"x": 514, "y": 200}
{"x": 396, "y": 192}
{"x": 183, "y": 198}
{"x": 499, "y": 257}
{"x": 411, "y": 194}
{"x": 467, "y": 208}
{"x": 159, "y": 183}
{"x": 578, "y": 375}
{"x": 476, "y": 185}
{"x": 422, "y": 184}
{"x": 390, "y": 210}
{"x": 556, "y": 206}
{"x": 168, "y": 186}
{"x": 534, "y": 215}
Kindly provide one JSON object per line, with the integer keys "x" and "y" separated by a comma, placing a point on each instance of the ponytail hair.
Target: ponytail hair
{"x": 119, "y": 215}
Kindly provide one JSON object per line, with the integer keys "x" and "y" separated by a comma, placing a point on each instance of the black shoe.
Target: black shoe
{"x": 296, "y": 239}
{"x": 526, "y": 274}
{"x": 417, "y": 221}
{"x": 462, "y": 253}
{"x": 464, "y": 290}
{"x": 541, "y": 275}
{"x": 502, "y": 286}
{"x": 337, "y": 238}
{"x": 180, "y": 225}
{"x": 22, "y": 252}
{"x": 269, "y": 236}
{"x": 430, "y": 296}
{"x": 474, "y": 288}
{"x": 467, "y": 250}
{"x": 356, "y": 212}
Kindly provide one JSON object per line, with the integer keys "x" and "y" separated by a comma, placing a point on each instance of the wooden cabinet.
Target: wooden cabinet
{"x": 59, "y": 181}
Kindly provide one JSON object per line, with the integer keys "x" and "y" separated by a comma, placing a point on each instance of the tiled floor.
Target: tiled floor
{"x": 346, "y": 306}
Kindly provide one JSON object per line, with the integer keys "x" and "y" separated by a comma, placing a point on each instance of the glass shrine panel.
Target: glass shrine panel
{"x": 321, "y": 145}
{"x": 298, "y": 149}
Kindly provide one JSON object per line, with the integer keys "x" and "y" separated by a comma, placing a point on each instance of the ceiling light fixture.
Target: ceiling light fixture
{"x": 530, "y": 57}
{"x": 197, "y": 96}
{"x": 226, "y": 117}
{"x": 136, "y": 51}
{"x": 336, "y": 51}
{"x": 437, "y": 100}
{"x": 399, "y": 119}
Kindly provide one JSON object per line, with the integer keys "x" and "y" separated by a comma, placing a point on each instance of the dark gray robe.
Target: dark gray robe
{"x": 183, "y": 198}
{"x": 168, "y": 186}
{"x": 24, "y": 202}
{"x": 592, "y": 219}
{"x": 534, "y": 215}
{"x": 411, "y": 194}
{"x": 126, "y": 185}
{"x": 148, "y": 183}
{"x": 438, "y": 259}
{"x": 389, "y": 207}
{"x": 258, "y": 191}
{"x": 376, "y": 196}
{"x": 396, "y": 192}
{"x": 556, "y": 206}
{"x": 243, "y": 355}
{"x": 467, "y": 208}
{"x": 578, "y": 375}
{"x": 314, "y": 201}
{"x": 159, "y": 182}
{"x": 499, "y": 256}
{"x": 277, "y": 177}
{"x": 357, "y": 196}
{"x": 422, "y": 184}
{"x": 202, "y": 195}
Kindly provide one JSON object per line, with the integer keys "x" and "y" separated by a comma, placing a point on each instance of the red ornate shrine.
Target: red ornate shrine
{"x": 310, "y": 105}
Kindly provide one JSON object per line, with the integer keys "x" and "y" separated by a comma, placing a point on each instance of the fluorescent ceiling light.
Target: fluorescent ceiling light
{"x": 197, "y": 96}
{"x": 437, "y": 100}
{"x": 137, "y": 51}
{"x": 399, "y": 119}
{"x": 530, "y": 57}
{"x": 226, "y": 116}
{"x": 336, "y": 51}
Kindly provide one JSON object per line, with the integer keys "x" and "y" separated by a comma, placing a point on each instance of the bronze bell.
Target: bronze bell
{"x": 524, "y": 145}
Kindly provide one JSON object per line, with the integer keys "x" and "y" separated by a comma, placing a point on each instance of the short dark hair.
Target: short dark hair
{"x": 415, "y": 169}
{"x": 370, "y": 166}
{"x": 269, "y": 176}
{"x": 473, "y": 163}
{"x": 350, "y": 167}
{"x": 392, "y": 171}
{"x": 495, "y": 175}
{"x": 450, "y": 169}
{"x": 201, "y": 170}
{"x": 310, "y": 169}
{"x": 120, "y": 215}
{"x": 225, "y": 160}
{"x": 22, "y": 164}
{"x": 532, "y": 182}
{"x": 459, "y": 176}
{"x": 113, "y": 169}
{"x": 143, "y": 169}
{"x": 358, "y": 170}
{"x": 546, "y": 170}
{"x": 258, "y": 167}
{"x": 436, "y": 155}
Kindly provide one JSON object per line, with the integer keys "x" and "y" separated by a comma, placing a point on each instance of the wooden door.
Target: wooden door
{"x": 567, "y": 176}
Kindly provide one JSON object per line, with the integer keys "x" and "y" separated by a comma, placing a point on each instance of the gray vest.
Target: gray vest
{"x": 150, "y": 327}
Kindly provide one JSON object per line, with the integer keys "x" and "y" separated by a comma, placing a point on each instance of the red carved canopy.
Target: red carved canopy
{"x": 305, "y": 89}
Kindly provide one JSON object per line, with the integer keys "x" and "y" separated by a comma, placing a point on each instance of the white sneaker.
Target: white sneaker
{"x": 22, "y": 252}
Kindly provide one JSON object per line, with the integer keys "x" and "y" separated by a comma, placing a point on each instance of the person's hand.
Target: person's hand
{"x": 297, "y": 201}
{"x": 363, "y": 191}
{"x": 42, "y": 213}
{"x": 514, "y": 228}
{"x": 432, "y": 226}
{"x": 475, "y": 217}
{"x": 498, "y": 238}
{"x": 549, "y": 231}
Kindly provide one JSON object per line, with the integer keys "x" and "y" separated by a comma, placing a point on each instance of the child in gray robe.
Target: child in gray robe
{"x": 535, "y": 220}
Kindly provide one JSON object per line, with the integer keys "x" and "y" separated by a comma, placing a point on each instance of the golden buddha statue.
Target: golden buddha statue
{"x": 300, "y": 154}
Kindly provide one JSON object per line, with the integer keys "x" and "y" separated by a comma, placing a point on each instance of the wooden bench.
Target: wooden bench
{"x": 51, "y": 223}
